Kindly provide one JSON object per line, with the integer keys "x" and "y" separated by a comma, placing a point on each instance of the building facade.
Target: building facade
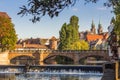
{"x": 96, "y": 40}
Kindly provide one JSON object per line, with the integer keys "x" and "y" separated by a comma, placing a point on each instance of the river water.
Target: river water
{"x": 37, "y": 76}
{"x": 49, "y": 74}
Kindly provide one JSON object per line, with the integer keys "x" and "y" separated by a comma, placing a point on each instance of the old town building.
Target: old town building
{"x": 37, "y": 43}
{"x": 96, "y": 40}
{"x": 53, "y": 43}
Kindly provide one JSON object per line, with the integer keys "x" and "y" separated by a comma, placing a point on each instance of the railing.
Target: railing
{"x": 57, "y": 51}
{"x": 30, "y": 50}
{"x": 78, "y": 51}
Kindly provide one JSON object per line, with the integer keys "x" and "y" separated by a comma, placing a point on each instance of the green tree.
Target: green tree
{"x": 80, "y": 45}
{"x": 8, "y": 35}
{"x": 116, "y": 7}
{"x": 116, "y": 21}
{"x": 62, "y": 36}
{"x": 39, "y": 8}
{"x": 69, "y": 36}
{"x": 117, "y": 27}
{"x": 74, "y": 26}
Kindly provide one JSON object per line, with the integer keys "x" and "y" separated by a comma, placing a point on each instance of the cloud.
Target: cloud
{"x": 75, "y": 9}
{"x": 102, "y": 8}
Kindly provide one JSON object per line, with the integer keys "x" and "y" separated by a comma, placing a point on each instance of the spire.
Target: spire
{"x": 92, "y": 25}
{"x": 100, "y": 29}
{"x": 93, "y": 30}
{"x": 99, "y": 25}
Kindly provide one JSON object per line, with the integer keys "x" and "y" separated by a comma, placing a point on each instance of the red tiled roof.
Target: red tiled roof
{"x": 93, "y": 37}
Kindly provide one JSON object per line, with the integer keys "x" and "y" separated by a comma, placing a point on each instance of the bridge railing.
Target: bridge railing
{"x": 78, "y": 51}
{"x": 30, "y": 50}
{"x": 58, "y": 51}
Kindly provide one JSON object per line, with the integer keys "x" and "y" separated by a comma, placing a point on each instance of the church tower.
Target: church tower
{"x": 100, "y": 29}
{"x": 93, "y": 29}
{"x": 53, "y": 43}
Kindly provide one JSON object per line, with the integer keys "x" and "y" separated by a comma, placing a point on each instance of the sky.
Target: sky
{"x": 48, "y": 27}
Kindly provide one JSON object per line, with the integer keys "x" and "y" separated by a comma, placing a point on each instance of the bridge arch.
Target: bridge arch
{"x": 65, "y": 55}
{"x": 76, "y": 56}
{"x": 62, "y": 55}
{"x": 24, "y": 59}
{"x": 98, "y": 54}
{"x": 17, "y": 54}
{"x": 14, "y": 56}
{"x": 30, "y": 57}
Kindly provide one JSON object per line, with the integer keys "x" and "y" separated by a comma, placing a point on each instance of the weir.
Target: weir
{"x": 41, "y": 68}
{"x": 51, "y": 72}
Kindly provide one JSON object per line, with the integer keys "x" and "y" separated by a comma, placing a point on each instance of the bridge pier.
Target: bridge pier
{"x": 76, "y": 62}
{"x": 41, "y": 63}
{"x": 41, "y": 58}
{"x": 43, "y": 55}
{"x": 76, "y": 59}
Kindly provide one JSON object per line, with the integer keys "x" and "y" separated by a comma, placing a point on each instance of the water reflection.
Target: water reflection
{"x": 39, "y": 76}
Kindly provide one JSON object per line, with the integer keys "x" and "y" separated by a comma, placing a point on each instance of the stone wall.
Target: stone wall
{"x": 4, "y": 58}
{"x": 109, "y": 74}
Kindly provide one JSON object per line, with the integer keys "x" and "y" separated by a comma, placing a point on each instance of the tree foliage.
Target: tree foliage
{"x": 117, "y": 27}
{"x": 39, "y": 8}
{"x": 116, "y": 21}
{"x": 116, "y": 6}
{"x": 69, "y": 36}
{"x": 80, "y": 45}
{"x": 8, "y": 35}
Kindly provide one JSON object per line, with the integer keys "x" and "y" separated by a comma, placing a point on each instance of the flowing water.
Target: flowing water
{"x": 48, "y": 74}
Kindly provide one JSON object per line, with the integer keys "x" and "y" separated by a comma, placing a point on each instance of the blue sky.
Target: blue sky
{"x": 48, "y": 27}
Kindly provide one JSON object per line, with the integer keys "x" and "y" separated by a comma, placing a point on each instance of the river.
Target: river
{"x": 50, "y": 74}
{"x": 39, "y": 76}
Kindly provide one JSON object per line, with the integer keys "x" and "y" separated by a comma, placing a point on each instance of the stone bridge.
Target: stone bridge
{"x": 42, "y": 55}
{"x": 76, "y": 56}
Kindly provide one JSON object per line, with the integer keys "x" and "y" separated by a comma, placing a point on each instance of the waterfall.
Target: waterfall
{"x": 55, "y": 73}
